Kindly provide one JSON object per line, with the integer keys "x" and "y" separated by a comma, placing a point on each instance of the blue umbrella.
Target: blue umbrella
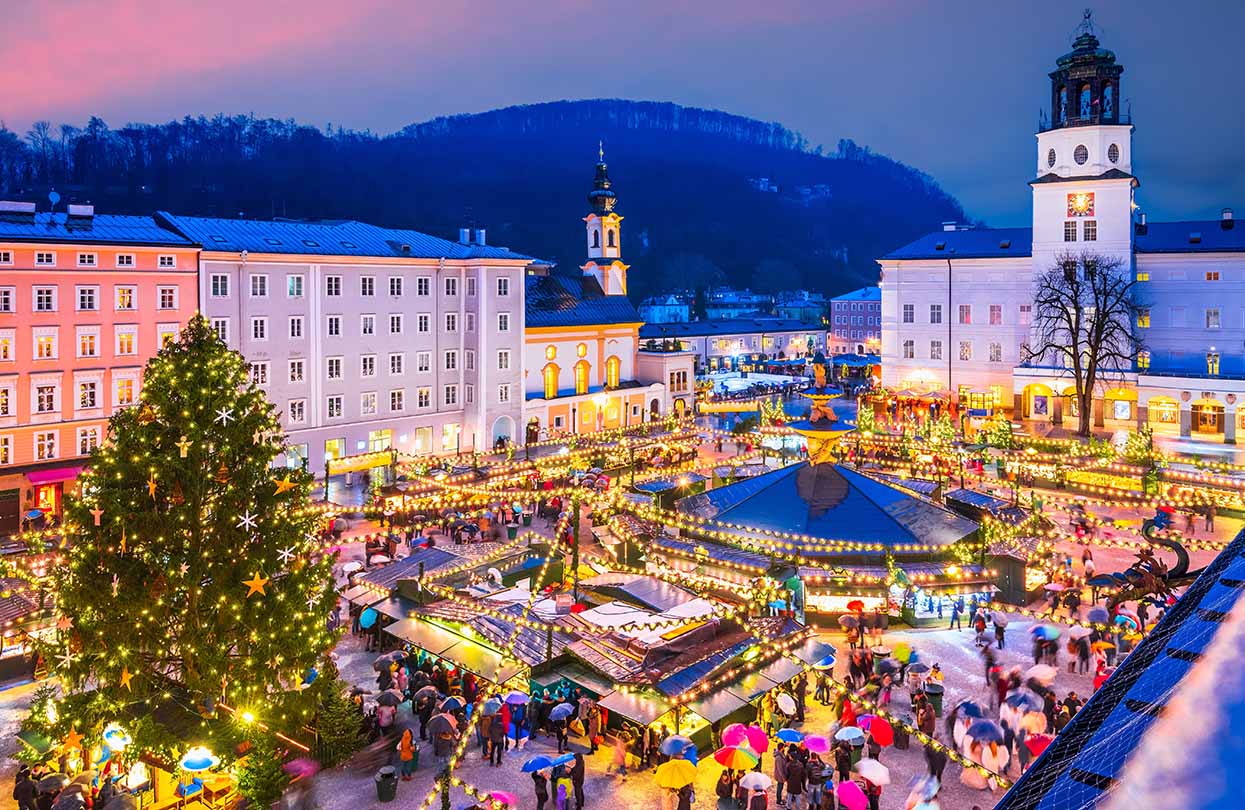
{"x": 1098, "y": 615}
{"x": 825, "y": 662}
{"x": 537, "y": 763}
{"x": 985, "y": 731}
{"x": 561, "y": 711}
{"x": 564, "y": 760}
{"x": 789, "y": 735}
{"x": 691, "y": 754}
{"x": 367, "y": 618}
{"x": 491, "y": 706}
{"x": 452, "y": 704}
{"x": 970, "y": 708}
{"x": 1045, "y": 632}
{"x": 674, "y": 745}
{"x": 1025, "y": 699}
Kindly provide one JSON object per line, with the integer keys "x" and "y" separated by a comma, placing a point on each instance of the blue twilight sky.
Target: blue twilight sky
{"x": 952, "y": 87}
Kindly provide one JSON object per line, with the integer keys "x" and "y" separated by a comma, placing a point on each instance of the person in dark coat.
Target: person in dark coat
{"x": 578, "y": 770}
{"x": 685, "y": 798}
{"x": 797, "y": 781}
{"x": 935, "y": 760}
{"x": 542, "y": 789}
{"x": 843, "y": 761}
{"x": 24, "y": 792}
{"x": 497, "y": 740}
{"x": 559, "y": 729}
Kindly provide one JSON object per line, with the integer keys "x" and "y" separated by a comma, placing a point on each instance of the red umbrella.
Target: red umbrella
{"x": 878, "y": 729}
{"x": 856, "y": 605}
{"x": 1036, "y": 743}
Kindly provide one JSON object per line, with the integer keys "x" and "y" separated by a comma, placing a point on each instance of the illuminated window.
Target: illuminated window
{"x": 125, "y": 392}
{"x": 1143, "y": 275}
{"x": 1143, "y": 361}
{"x": 582, "y": 369}
{"x": 45, "y": 347}
{"x": 1143, "y": 319}
{"x": 551, "y": 352}
{"x": 1212, "y": 275}
{"x": 1212, "y": 363}
{"x": 613, "y": 367}
{"x": 550, "y": 374}
{"x": 581, "y": 350}
{"x": 334, "y": 448}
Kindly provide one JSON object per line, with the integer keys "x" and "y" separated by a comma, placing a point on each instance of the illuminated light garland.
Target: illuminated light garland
{"x": 1046, "y": 616}
{"x": 768, "y": 651}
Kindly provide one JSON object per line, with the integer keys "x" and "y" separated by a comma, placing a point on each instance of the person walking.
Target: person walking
{"x": 541, "y": 784}
{"x": 816, "y": 773}
{"x": 843, "y": 761}
{"x": 797, "y": 778}
{"x": 1210, "y": 518}
{"x": 577, "y": 780}
{"x": 780, "y": 772}
{"x": 955, "y": 623}
{"x": 620, "y": 753}
{"x": 408, "y": 754}
{"x": 594, "y": 727}
{"x": 25, "y": 792}
{"x": 497, "y": 740}
{"x": 926, "y": 718}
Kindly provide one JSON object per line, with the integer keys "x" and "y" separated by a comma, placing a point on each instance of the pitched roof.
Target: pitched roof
{"x": 727, "y": 326}
{"x": 102, "y": 229}
{"x": 324, "y": 238}
{"x": 863, "y": 294}
{"x": 1177, "y": 237}
{"x": 970, "y": 243}
{"x": 554, "y": 300}
{"x": 1084, "y": 765}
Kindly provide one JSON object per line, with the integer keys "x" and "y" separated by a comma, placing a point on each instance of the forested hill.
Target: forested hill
{"x": 707, "y": 196}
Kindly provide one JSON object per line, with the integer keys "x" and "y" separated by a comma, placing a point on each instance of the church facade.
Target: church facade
{"x": 582, "y": 364}
{"x": 958, "y": 304}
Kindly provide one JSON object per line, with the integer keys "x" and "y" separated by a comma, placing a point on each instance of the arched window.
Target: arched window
{"x": 596, "y": 239}
{"x": 1061, "y": 114}
{"x": 1086, "y": 106}
{"x": 1108, "y": 101}
{"x": 582, "y": 370}
{"x": 550, "y": 373}
{"x": 613, "y": 367}
{"x": 611, "y": 237}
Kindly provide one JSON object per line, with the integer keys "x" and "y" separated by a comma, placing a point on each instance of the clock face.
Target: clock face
{"x": 1081, "y": 205}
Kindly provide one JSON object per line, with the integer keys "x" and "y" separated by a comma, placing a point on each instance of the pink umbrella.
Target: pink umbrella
{"x": 758, "y": 740}
{"x": 734, "y": 734}
{"x": 303, "y": 767}
{"x": 817, "y": 743}
{"x": 505, "y": 798}
{"x": 850, "y": 796}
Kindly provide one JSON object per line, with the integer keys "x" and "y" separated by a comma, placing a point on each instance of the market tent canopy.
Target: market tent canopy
{"x": 362, "y": 595}
{"x": 718, "y": 705}
{"x": 463, "y": 652}
{"x": 640, "y": 707}
{"x": 395, "y": 607}
{"x": 428, "y": 637}
{"x": 579, "y": 675}
{"x": 812, "y": 651}
{"x": 52, "y": 476}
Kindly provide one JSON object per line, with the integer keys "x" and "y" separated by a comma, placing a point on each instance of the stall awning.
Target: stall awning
{"x": 579, "y": 675}
{"x": 640, "y": 707}
{"x": 812, "y": 651}
{"x": 38, "y": 477}
{"x": 362, "y": 595}
{"x": 470, "y": 655}
{"x": 395, "y": 607}
{"x": 426, "y": 636}
{"x": 718, "y": 705}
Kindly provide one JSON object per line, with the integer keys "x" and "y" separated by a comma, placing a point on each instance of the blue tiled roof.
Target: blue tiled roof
{"x": 727, "y": 326}
{"x": 863, "y": 294}
{"x": 974, "y": 243}
{"x": 1175, "y": 237}
{"x": 560, "y": 301}
{"x": 103, "y": 229}
{"x": 676, "y": 683}
{"x": 408, "y": 567}
{"x": 325, "y": 238}
{"x": 1088, "y": 757}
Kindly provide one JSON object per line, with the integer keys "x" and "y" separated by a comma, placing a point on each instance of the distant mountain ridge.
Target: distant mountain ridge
{"x": 708, "y": 197}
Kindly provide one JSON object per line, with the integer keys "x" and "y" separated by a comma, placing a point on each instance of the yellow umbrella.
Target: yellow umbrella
{"x": 675, "y": 774}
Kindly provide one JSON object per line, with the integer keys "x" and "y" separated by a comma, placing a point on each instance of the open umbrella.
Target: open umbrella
{"x": 387, "y": 660}
{"x": 849, "y": 622}
{"x": 786, "y": 703}
{"x": 735, "y": 757}
{"x": 69, "y": 800}
{"x": 1124, "y": 620}
{"x": 849, "y": 734}
{"x": 1101, "y": 646}
{"x": 1037, "y": 743}
{"x": 675, "y": 774}
{"x": 1042, "y": 673}
{"x": 1054, "y": 586}
{"x": 887, "y": 666}
{"x": 491, "y": 706}
{"x": 985, "y": 731}
{"x": 452, "y": 704}
{"x": 758, "y": 740}
{"x": 878, "y": 729}
{"x": 442, "y": 724}
{"x": 1000, "y": 620}
{"x": 1079, "y": 632}
{"x": 367, "y": 618}
{"x": 874, "y": 771}
{"x": 428, "y": 692}
{"x": 755, "y": 780}
{"x": 734, "y": 734}
{"x": 850, "y": 796}
{"x": 508, "y": 799}
{"x": 825, "y": 662}
{"x": 122, "y": 801}
{"x": 817, "y": 743}
{"x": 789, "y": 735}
{"x": 517, "y": 698}
{"x": 389, "y": 697}
{"x": 920, "y": 667}
{"x": 561, "y": 711}
{"x": 564, "y": 759}
{"x": 1098, "y": 615}
{"x": 1024, "y": 699}
{"x": 856, "y": 605}
{"x": 537, "y": 763}
{"x": 674, "y": 745}
{"x": 1045, "y": 632}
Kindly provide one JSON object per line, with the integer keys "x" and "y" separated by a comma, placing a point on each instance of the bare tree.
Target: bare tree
{"x": 1083, "y": 319}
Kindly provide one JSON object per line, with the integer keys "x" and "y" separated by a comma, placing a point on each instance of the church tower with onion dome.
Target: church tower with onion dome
{"x": 604, "y": 232}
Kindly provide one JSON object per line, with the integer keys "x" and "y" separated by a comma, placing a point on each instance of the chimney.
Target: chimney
{"x": 948, "y": 226}
{"x": 11, "y": 207}
{"x": 1141, "y": 225}
{"x": 480, "y": 234}
{"x": 1226, "y": 221}
{"x": 464, "y": 236}
{"x": 83, "y": 211}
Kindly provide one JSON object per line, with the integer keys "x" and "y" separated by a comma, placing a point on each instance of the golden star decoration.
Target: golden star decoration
{"x": 151, "y": 487}
{"x": 126, "y": 677}
{"x": 256, "y": 585}
{"x": 73, "y": 739}
{"x": 284, "y": 484}
{"x": 123, "y": 541}
{"x": 64, "y": 623}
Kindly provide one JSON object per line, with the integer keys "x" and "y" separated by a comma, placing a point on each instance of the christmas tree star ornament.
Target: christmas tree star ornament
{"x": 122, "y": 542}
{"x": 256, "y": 585}
{"x": 183, "y": 446}
{"x": 151, "y": 487}
{"x": 284, "y": 484}
{"x": 247, "y": 521}
{"x": 223, "y": 415}
{"x": 66, "y": 659}
{"x": 126, "y": 677}
{"x": 286, "y": 554}
{"x": 73, "y": 739}
{"x": 184, "y": 569}
{"x": 64, "y": 623}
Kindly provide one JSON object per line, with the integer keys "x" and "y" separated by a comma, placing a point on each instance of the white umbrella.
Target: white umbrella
{"x": 1042, "y": 673}
{"x": 351, "y": 567}
{"x": 1078, "y": 632}
{"x": 786, "y": 703}
{"x": 874, "y": 771}
{"x": 755, "y": 780}
{"x": 378, "y": 559}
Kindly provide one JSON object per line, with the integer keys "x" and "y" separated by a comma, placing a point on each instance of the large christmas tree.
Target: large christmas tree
{"x": 191, "y": 583}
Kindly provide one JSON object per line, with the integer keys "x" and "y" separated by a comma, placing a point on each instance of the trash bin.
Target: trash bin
{"x": 527, "y": 518}
{"x": 933, "y": 691}
{"x": 386, "y": 784}
{"x": 512, "y": 530}
{"x": 901, "y": 731}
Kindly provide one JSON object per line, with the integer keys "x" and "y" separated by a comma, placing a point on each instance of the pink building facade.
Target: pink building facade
{"x": 85, "y": 302}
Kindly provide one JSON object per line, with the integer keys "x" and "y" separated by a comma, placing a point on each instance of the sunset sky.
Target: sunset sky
{"x": 953, "y": 88}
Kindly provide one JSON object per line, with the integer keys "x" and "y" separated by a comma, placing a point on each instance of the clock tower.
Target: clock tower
{"x": 604, "y": 230}
{"x": 1083, "y": 189}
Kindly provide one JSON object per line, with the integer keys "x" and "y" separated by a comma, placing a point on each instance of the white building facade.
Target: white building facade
{"x": 367, "y": 339}
{"x": 957, "y": 305}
